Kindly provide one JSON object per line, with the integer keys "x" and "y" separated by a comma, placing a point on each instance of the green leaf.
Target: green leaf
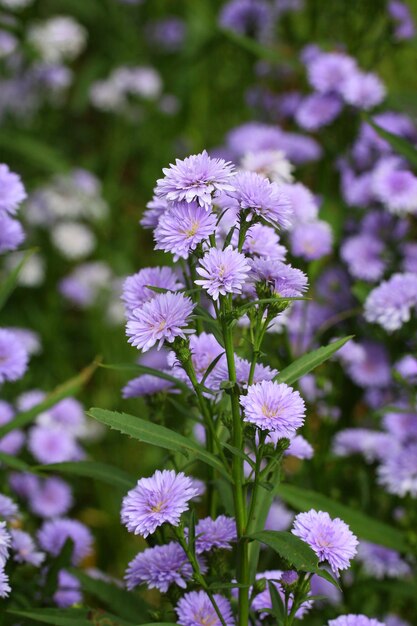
{"x": 58, "y": 617}
{"x": 90, "y": 469}
{"x": 8, "y": 286}
{"x": 14, "y": 462}
{"x": 290, "y": 548}
{"x": 362, "y": 525}
{"x": 309, "y": 362}
{"x": 121, "y": 602}
{"x": 276, "y": 600}
{"x": 69, "y": 388}
{"x": 143, "y": 369}
{"x": 156, "y": 435}
{"x": 36, "y": 152}
{"x": 252, "y": 46}
{"x": 399, "y": 144}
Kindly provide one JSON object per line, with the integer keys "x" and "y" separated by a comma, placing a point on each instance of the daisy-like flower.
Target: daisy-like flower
{"x": 398, "y": 471}
{"x": 5, "y": 588}
{"x": 329, "y": 72}
{"x": 69, "y": 590}
{"x": 136, "y": 287}
{"x": 153, "y": 212}
{"x": 24, "y": 548}
{"x": 390, "y": 304}
{"x": 11, "y": 234}
{"x": 183, "y": 227}
{"x": 8, "y": 509}
{"x": 263, "y": 241}
{"x": 223, "y": 271}
{"x": 159, "y": 567}
{"x": 363, "y": 90}
{"x": 146, "y": 385}
{"x": 370, "y": 443}
{"x": 198, "y": 177}
{"x": 54, "y": 533}
{"x": 13, "y": 356}
{"x": 52, "y": 444}
{"x": 363, "y": 255}
{"x": 379, "y": 561}
{"x": 12, "y": 192}
{"x": 50, "y": 498}
{"x": 354, "y": 620}
{"x": 159, "y": 499}
{"x": 274, "y": 407}
{"x": 317, "y": 110}
{"x": 261, "y": 198}
{"x": 285, "y": 281}
{"x": 312, "y": 240}
{"x": 331, "y": 539}
{"x": 215, "y": 533}
{"x": 162, "y": 319}
{"x": 5, "y": 543}
{"x": 303, "y": 203}
{"x": 196, "y": 609}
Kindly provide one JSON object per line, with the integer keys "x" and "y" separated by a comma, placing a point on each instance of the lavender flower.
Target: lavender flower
{"x": 8, "y": 509}
{"x": 318, "y": 110}
{"x": 379, "y": 561}
{"x": 394, "y": 186}
{"x": 157, "y": 500}
{"x": 370, "y": 443}
{"x": 398, "y": 470}
{"x": 69, "y": 590}
{"x": 363, "y": 256}
{"x": 270, "y": 163}
{"x": 260, "y": 198}
{"x": 303, "y": 203}
{"x": 12, "y": 192}
{"x": 263, "y": 241}
{"x": 51, "y": 497}
{"x": 24, "y": 549}
{"x": 329, "y": 72}
{"x": 136, "y": 287}
{"x": 279, "y": 517}
{"x": 51, "y": 444}
{"x": 407, "y": 367}
{"x": 363, "y": 91}
{"x": 13, "y": 356}
{"x": 196, "y": 609}
{"x": 354, "y": 620}
{"x": 331, "y": 539}
{"x": 374, "y": 369}
{"x": 223, "y": 272}
{"x": 162, "y": 319}
{"x": 154, "y": 210}
{"x": 5, "y": 543}
{"x": 284, "y": 280}
{"x": 390, "y": 304}
{"x": 404, "y": 24}
{"x": 299, "y": 447}
{"x": 147, "y": 385}
{"x": 311, "y": 241}
{"x": 204, "y": 349}
{"x": 263, "y": 600}
{"x": 54, "y": 533}
{"x": 5, "y": 588}
{"x": 11, "y": 234}
{"x": 196, "y": 178}
{"x": 275, "y": 407}
{"x": 159, "y": 568}
{"x": 246, "y": 16}
{"x": 182, "y": 228}
{"x": 215, "y": 533}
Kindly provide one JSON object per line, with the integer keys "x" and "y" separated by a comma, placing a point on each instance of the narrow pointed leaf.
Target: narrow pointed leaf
{"x": 399, "y": 144}
{"x": 9, "y": 284}
{"x": 14, "y": 462}
{"x": 136, "y": 368}
{"x": 290, "y": 548}
{"x": 89, "y": 469}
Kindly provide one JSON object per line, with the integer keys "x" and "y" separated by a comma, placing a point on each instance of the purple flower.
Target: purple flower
{"x": 263, "y": 241}
{"x": 354, "y": 620}
{"x": 223, "y": 272}
{"x": 374, "y": 370}
{"x": 379, "y": 561}
{"x": 279, "y": 517}
{"x": 147, "y": 385}
{"x": 300, "y": 448}
{"x": 303, "y": 203}
{"x": 5, "y": 543}
{"x": 398, "y": 471}
{"x": 168, "y": 33}
{"x": 329, "y": 72}
{"x": 331, "y": 539}
{"x": 263, "y": 600}
{"x": 321, "y": 587}
{"x": 69, "y": 590}
{"x": 50, "y": 498}
{"x": 215, "y": 533}
{"x": 157, "y": 500}
{"x": 395, "y": 187}
{"x": 370, "y": 443}
{"x": 401, "y": 425}
{"x": 196, "y": 178}
{"x": 318, "y": 110}
{"x": 404, "y": 23}
{"x": 159, "y": 567}
{"x": 393, "y": 620}
{"x": 8, "y": 509}
{"x": 136, "y": 291}
{"x": 24, "y": 548}
{"x": 407, "y": 367}
{"x": 204, "y": 349}
{"x": 285, "y": 281}
{"x": 261, "y": 198}
{"x": 13, "y": 357}
{"x": 54, "y": 533}
{"x": 183, "y": 227}
{"x": 11, "y": 234}
{"x": 311, "y": 241}
{"x": 196, "y": 609}
{"x": 275, "y": 407}
{"x": 390, "y": 304}
{"x": 12, "y": 192}
{"x": 221, "y": 373}
{"x": 247, "y": 17}
{"x": 363, "y": 90}
{"x": 52, "y": 444}
{"x": 5, "y": 588}
{"x": 161, "y": 319}
{"x": 363, "y": 256}
{"x": 154, "y": 210}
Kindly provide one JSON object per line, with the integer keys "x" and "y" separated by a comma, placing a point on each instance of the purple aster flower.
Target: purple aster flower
{"x": 398, "y": 471}
{"x": 8, "y": 509}
{"x": 157, "y": 500}
{"x": 284, "y": 280}
{"x": 69, "y": 590}
{"x": 68, "y": 413}
{"x": 261, "y": 198}
{"x": 263, "y": 600}
{"x": 13, "y": 356}
{"x": 161, "y": 319}
{"x": 394, "y": 620}
{"x": 401, "y": 425}
{"x": 317, "y": 110}
{"x": 279, "y": 517}
{"x": 136, "y": 291}
{"x": 5, "y": 543}
{"x": 215, "y": 533}
{"x": 410, "y": 257}
{"x": 374, "y": 370}
{"x": 299, "y": 148}
{"x": 221, "y": 373}
{"x": 263, "y": 241}
{"x": 407, "y": 367}
{"x": 196, "y": 178}
{"x": 370, "y": 443}
{"x": 54, "y": 533}
{"x": 331, "y": 539}
{"x": 5, "y": 588}
{"x": 24, "y": 548}
{"x": 300, "y": 448}
{"x": 394, "y": 186}
{"x": 154, "y": 210}
{"x": 404, "y": 24}
{"x": 246, "y": 17}
{"x": 12, "y": 192}
{"x": 196, "y": 609}
{"x": 168, "y": 33}
{"x": 52, "y": 444}
{"x": 303, "y": 203}
{"x": 85, "y": 283}
{"x": 321, "y": 587}
{"x": 23, "y": 483}
{"x": 223, "y": 271}
{"x": 11, "y": 234}
{"x": 204, "y": 349}
{"x": 253, "y": 137}
{"x": 329, "y": 72}
{"x": 354, "y": 620}
{"x": 147, "y": 385}
{"x": 363, "y": 256}
{"x": 357, "y": 190}
{"x": 390, "y": 304}
{"x": 363, "y": 90}
{"x": 380, "y": 562}
{"x": 275, "y": 407}
{"x": 159, "y": 567}
{"x": 183, "y": 227}
{"x": 311, "y": 241}
{"x": 52, "y": 497}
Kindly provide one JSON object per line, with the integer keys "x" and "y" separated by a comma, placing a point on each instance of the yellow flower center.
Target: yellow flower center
{"x": 268, "y": 411}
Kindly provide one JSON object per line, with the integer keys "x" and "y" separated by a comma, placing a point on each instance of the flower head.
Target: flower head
{"x": 12, "y": 192}
{"x": 317, "y": 110}
{"x": 13, "y": 356}
{"x": 196, "y": 609}
{"x": 261, "y": 198}
{"x": 157, "y": 500}
{"x": 215, "y": 533}
{"x": 51, "y": 497}
{"x": 8, "y": 509}
{"x": 52, "y": 444}
{"x": 24, "y": 548}
{"x": 11, "y": 234}
{"x": 354, "y": 620}
{"x": 159, "y": 567}
{"x": 363, "y": 91}
{"x": 331, "y": 539}
{"x": 162, "y": 319}
{"x": 275, "y": 407}
{"x": 285, "y": 281}
{"x": 363, "y": 255}
{"x": 390, "y": 304}
{"x": 329, "y": 72}
{"x": 136, "y": 287}
{"x": 398, "y": 470}
{"x": 312, "y": 240}
{"x": 146, "y": 385}
{"x": 5, "y": 543}
{"x": 263, "y": 241}
{"x": 196, "y": 178}
{"x": 223, "y": 271}
{"x": 54, "y": 533}
{"x": 379, "y": 561}
{"x": 69, "y": 590}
